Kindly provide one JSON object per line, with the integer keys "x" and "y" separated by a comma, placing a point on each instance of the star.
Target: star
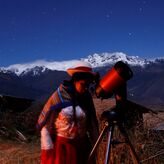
{"x": 140, "y": 9}
{"x": 130, "y": 34}
{"x": 108, "y": 15}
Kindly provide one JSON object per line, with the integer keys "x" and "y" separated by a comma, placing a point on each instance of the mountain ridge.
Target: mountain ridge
{"x": 39, "y": 81}
{"x": 96, "y": 60}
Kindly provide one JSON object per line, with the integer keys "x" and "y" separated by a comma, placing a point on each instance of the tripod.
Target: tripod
{"x": 112, "y": 119}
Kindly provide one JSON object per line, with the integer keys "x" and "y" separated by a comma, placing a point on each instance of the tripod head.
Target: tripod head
{"x": 115, "y": 115}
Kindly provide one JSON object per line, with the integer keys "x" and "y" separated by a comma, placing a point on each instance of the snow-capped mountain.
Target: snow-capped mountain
{"x": 96, "y": 60}
{"x": 99, "y": 60}
{"x": 40, "y": 78}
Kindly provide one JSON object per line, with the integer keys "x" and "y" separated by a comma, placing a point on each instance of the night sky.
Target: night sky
{"x": 71, "y": 29}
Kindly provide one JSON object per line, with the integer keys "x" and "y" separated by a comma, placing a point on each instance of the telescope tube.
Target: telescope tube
{"x": 115, "y": 78}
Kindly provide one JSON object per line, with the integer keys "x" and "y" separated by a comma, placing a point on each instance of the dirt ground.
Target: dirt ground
{"x": 19, "y": 153}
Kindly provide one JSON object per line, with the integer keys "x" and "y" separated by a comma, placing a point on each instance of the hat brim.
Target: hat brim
{"x": 71, "y": 72}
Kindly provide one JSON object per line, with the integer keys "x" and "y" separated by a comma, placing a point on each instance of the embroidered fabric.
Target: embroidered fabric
{"x": 65, "y": 125}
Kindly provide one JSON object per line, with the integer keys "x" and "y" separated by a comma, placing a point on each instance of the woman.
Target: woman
{"x": 68, "y": 122}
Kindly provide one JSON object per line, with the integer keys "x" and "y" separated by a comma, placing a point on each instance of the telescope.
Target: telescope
{"x": 114, "y": 82}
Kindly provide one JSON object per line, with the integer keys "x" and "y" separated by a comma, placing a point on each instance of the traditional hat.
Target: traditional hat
{"x": 81, "y": 66}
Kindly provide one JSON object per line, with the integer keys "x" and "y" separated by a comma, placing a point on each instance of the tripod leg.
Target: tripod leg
{"x": 133, "y": 153}
{"x": 98, "y": 140}
{"x": 109, "y": 141}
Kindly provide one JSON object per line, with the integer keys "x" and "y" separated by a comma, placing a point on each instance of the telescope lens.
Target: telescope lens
{"x": 123, "y": 70}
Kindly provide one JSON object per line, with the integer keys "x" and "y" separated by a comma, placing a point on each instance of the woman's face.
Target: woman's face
{"x": 82, "y": 86}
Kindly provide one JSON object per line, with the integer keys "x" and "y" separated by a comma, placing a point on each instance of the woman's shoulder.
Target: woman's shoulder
{"x": 64, "y": 91}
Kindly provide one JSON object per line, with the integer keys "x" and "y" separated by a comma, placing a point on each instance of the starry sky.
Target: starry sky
{"x": 71, "y": 29}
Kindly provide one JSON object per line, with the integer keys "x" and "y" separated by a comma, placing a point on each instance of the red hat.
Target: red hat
{"x": 81, "y": 66}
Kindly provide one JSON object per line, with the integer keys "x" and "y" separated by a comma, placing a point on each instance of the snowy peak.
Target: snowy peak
{"x": 99, "y": 60}
{"x": 96, "y": 60}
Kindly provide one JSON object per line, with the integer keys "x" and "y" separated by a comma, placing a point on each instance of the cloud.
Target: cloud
{"x": 52, "y": 65}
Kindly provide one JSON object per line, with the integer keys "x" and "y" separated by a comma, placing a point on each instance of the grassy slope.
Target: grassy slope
{"x": 146, "y": 144}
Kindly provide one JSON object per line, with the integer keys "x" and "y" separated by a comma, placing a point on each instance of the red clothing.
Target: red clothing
{"x": 66, "y": 151}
